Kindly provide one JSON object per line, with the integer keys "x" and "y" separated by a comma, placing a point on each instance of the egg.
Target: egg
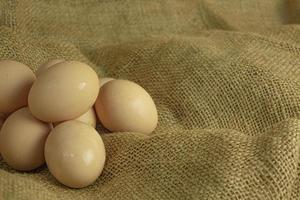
{"x": 47, "y": 64}
{"x": 2, "y": 119}
{"x": 75, "y": 154}
{"x": 63, "y": 92}
{"x": 88, "y": 118}
{"x": 16, "y": 80}
{"x": 22, "y": 140}
{"x": 105, "y": 80}
{"x": 124, "y": 106}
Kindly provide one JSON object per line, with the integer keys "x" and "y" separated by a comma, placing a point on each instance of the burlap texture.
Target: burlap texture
{"x": 225, "y": 78}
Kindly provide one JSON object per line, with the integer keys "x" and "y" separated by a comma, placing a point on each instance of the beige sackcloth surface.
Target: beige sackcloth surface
{"x": 225, "y": 76}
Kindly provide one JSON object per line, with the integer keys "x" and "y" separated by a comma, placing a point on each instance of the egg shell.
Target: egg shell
{"x": 16, "y": 80}
{"x": 22, "y": 140}
{"x": 105, "y": 80}
{"x": 75, "y": 154}
{"x": 88, "y": 118}
{"x": 2, "y": 119}
{"x": 47, "y": 65}
{"x": 124, "y": 106}
{"x": 63, "y": 92}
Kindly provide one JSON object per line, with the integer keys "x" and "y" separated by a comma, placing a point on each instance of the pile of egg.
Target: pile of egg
{"x": 49, "y": 117}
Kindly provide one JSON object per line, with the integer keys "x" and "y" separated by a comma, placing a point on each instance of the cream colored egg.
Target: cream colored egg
{"x": 124, "y": 106}
{"x": 15, "y": 82}
{"x": 22, "y": 140}
{"x": 105, "y": 80}
{"x": 63, "y": 92}
{"x": 47, "y": 65}
{"x": 2, "y": 119}
{"x": 75, "y": 154}
{"x": 88, "y": 118}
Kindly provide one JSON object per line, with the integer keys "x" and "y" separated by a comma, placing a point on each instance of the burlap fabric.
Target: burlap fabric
{"x": 225, "y": 76}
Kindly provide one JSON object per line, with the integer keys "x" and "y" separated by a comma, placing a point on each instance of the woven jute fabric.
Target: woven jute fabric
{"x": 225, "y": 76}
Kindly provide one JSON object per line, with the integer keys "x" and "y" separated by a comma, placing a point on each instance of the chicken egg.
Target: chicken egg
{"x": 2, "y": 119}
{"x": 63, "y": 92}
{"x": 88, "y": 118}
{"x": 22, "y": 140}
{"x": 15, "y": 82}
{"x": 124, "y": 106}
{"x": 105, "y": 80}
{"x": 75, "y": 154}
{"x": 47, "y": 65}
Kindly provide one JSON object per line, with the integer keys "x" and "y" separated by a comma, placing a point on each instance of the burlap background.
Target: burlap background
{"x": 225, "y": 77}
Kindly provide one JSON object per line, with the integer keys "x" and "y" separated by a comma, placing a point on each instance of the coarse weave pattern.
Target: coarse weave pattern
{"x": 225, "y": 76}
